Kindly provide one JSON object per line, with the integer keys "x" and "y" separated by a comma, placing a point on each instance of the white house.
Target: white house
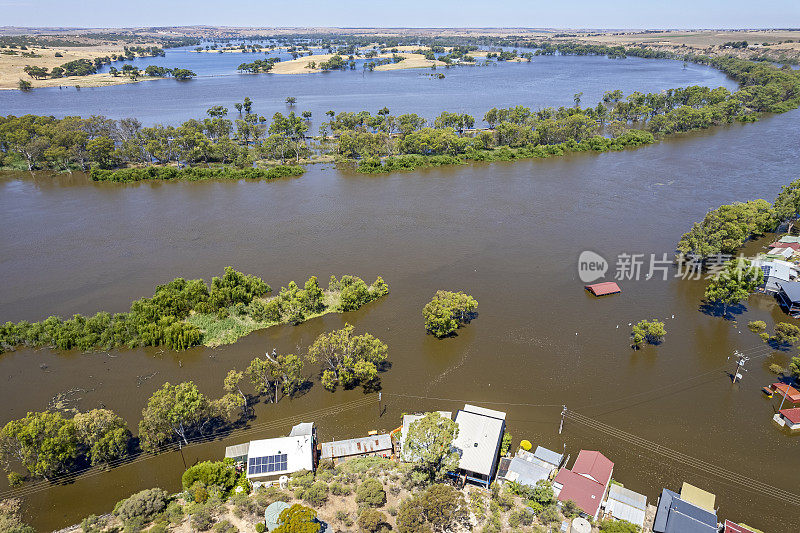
{"x": 480, "y": 435}
{"x": 269, "y": 459}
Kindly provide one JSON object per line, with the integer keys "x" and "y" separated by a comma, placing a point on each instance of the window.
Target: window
{"x": 267, "y": 464}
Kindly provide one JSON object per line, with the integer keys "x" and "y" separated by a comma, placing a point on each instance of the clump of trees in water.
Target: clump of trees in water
{"x": 212, "y": 145}
{"x": 180, "y": 313}
{"x": 194, "y": 173}
{"x": 725, "y": 229}
{"x": 447, "y": 311}
{"x": 647, "y": 332}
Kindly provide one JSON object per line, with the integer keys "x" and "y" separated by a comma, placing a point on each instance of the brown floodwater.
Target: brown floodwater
{"x": 507, "y": 233}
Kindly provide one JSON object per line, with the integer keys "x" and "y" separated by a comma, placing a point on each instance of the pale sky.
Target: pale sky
{"x": 406, "y": 13}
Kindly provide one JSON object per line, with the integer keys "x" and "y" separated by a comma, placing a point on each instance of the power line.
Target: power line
{"x": 746, "y": 482}
{"x": 194, "y": 441}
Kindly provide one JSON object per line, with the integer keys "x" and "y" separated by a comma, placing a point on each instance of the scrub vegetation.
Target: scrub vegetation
{"x": 185, "y": 313}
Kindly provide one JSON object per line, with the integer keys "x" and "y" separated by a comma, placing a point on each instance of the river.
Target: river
{"x": 507, "y": 233}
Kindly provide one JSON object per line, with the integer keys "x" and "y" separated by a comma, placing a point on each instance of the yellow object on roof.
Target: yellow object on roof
{"x": 698, "y": 497}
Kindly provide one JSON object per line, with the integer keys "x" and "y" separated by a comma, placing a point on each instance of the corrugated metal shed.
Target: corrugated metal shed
{"x": 548, "y": 456}
{"x": 484, "y": 411}
{"x": 478, "y": 441}
{"x": 363, "y": 445}
{"x": 624, "y": 504}
{"x": 238, "y": 450}
{"x": 526, "y": 473}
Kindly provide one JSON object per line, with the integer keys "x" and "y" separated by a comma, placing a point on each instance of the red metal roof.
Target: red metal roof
{"x": 787, "y": 391}
{"x": 601, "y": 289}
{"x": 582, "y": 490}
{"x": 730, "y": 527}
{"x": 594, "y": 464}
{"x": 793, "y": 245}
{"x": 792, "y": 415}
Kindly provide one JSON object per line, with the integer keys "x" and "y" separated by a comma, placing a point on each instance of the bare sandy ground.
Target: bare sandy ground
{"x": 11, "y": 67}
{"x": 301, "y": 64}
{"x": 411, "y": 61}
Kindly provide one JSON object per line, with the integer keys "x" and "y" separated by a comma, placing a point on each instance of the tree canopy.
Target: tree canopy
{"x": 429, "y": 446}
{"x": 448, "y": 311}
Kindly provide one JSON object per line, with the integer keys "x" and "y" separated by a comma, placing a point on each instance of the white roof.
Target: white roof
{"x": 624, "y": 504}
{"x": 776, "y": 268}
{"x": 298, "y": 450}
{"x": 304, "y": 428}
{"x": 407, "y": 421}
{"x": 483, "y": 411}
{"x": 478, "y": 440}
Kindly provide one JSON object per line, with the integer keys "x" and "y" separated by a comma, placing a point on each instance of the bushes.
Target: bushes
{"x": 142, "y": 507}
{"x": 211, "y": 474}
{"x": 371, "y": 493}
{"x": 371, "y": 520}
{"x": 194, "y": 173}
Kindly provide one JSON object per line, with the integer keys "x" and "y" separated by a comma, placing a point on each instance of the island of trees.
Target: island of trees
{"x": 185, "y": 313}
{"x": 384, "y": 142}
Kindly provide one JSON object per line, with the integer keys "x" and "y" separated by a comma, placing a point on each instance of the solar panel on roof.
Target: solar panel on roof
{"x": 267, "y": 464}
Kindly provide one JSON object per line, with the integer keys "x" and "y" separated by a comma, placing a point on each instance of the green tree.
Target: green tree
{"x": 447, "y": 311}
{"x": 647, "y": 331}
{"x": 141, "y": 508}
{"x": 794, "y": 367}
{"x": 429, "y": 445}
{"x": 348, "y": 360}
{"x": 104, "y": 434}
{"x": 291, "y": 100}
{"x": 24, "y": 85}
{"x": 220, "y": 474}
{"x": 46, "y": 444}
{"x": 618, "y": 526}
{"x": 733, "y": 284}
{"x": 786, "y": 334}
{"x": 173, "y": 411}
{"x": 276, "y": 372}
{"x": 102, "y": 151}
{"x": 371, "y": 521}
{"x": 298, "y": 519}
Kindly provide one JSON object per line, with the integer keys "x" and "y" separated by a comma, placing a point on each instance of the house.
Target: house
{"x": 793, "y": 245}
{"x": 269, "y": 459}
{"x": 624, "y": 504}
{"x": 407, "y": 421}
{"x": 675, "y": 515}
{"x": 787, "y": 392}
{"x": 788, "y": 418}
{"x": 604, "y": 288}
{"x": 342, "y": 450}
{"x": 528, "y": 468}
{"x": 775, "y": 273}
{"x": 730, "y": 527}
{"x": 780, "y": 253}
{"x": 586, "y": 483}
{"x": 480, "y": 435}
{"x": 789, "y": 297}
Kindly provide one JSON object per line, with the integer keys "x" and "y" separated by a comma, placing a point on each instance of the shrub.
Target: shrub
{"x": 93, "y": 524}
{"x": 260, "y": 527}
{"x": 371, "y": 493}
{"x": 371, "y": 520}
{"x": 339, "y": 489}
{"x": 316, "y": 494}
{"x": 549, "y": 515}
{"x": 202, "y": 519}
{"x": 776, "y": 369}
{"x": 210, "y": 474}
{"x": 144, "y": 505}
{"x": 225, "y": 527}
{"x": 757, "y": 326}
{"x": 520, "y": 517}
{"x": 569, "y": 508}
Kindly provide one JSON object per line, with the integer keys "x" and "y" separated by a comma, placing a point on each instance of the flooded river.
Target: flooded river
{"x": 509, "y": 234}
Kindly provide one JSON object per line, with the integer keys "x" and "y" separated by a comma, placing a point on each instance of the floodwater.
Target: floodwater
{"x": 546, "y": 81}
{"x": 507, "y": 233}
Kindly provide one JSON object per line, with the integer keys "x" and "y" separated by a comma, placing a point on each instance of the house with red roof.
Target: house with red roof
{"x": 586, "y": 483}
{"x": 788, "y": 418}
{"x": 731, "y": 527}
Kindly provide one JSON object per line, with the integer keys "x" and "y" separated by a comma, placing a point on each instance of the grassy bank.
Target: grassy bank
{"x": 229, "y": 326}
{"x": 194, "y": 173}
{"x": 408, "y": 162}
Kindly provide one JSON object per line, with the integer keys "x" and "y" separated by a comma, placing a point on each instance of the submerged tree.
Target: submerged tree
{"x": 173, "y": 412}
{"x": 647, "y": 331}
{"x": 276, "y": 372}
{"x": 348, "y": 360}
{"x": 448, "y": 311}
{"x": 734, "y": 284}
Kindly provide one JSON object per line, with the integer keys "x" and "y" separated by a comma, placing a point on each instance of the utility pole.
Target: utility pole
{"x": 742, "y": 359}
{"x": 563, "y": 414}
{"x": 180, "y": 447}
{"x": 379, "y": 405}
